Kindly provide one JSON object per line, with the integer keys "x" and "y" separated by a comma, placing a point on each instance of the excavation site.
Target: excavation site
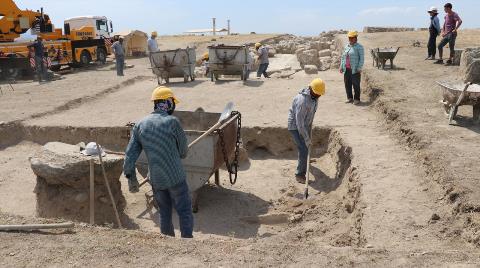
{"x": 391, "y": 173}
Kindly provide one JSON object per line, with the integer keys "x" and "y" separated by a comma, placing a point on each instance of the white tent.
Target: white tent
{"x": 135, "y": 42}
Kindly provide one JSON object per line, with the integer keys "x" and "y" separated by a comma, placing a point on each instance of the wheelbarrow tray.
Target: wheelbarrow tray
{"x": 173, "y": 63}
{"x": 229, "y": 60}
{"x": 205, "y": 157}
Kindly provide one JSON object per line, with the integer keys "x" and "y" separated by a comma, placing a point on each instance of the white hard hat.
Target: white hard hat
{"x": 433, "y": 10}
{"x": 91, "y": 149}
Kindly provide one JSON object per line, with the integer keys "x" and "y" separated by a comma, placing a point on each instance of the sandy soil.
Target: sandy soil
{"x": 378, "y": 213}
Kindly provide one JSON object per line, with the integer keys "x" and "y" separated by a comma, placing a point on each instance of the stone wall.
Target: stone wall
{"x": 369, "y": 29}
{"x": 63, "y": 184}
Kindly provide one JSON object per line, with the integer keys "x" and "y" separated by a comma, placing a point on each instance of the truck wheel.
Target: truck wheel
{"x": 85, "y": 58}
{"x": 10, "y": 73}
{"x": 102, "y": 55}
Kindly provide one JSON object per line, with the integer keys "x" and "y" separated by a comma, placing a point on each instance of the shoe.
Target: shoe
{"x": 428, "y": 58}
{"x": 356, "y": 102}
{"x": 267, "y": 77}
{"x": 258, "y": 77}
{"x": 438, "y": 62}
{"x": 301, "y": 179}
{"x": 349, "y": 101}
{"x": 449, "y": 63}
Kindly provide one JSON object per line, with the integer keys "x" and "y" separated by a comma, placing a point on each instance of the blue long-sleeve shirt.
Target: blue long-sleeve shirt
{"x": 300, "y": 116}
{"x": 435, "y": 23}
{"x": 162, "y": 138}
{"x": 357, "y": 57}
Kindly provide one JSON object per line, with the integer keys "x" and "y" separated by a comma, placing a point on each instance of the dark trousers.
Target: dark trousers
{"x": 41, "y": 69}
{"x": 352, "y": 80}
{"x": 120, "y": 64}
{"x": 262, "y": 69}
{"x": 177, "y": 197}
{"x": 432, "y": 43}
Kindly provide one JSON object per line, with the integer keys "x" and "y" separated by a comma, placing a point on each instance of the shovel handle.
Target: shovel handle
{"x": 212, "y": 129}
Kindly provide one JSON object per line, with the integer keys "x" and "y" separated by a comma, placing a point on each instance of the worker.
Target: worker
{"x": 262, "y": 52}
{"x": 39, "y": 52}
{"x": 205, "y": 63}
{"x": 163, "y": 140}
{"x": 449, "y": 34}
{"x": 300, "y": 120}
{"x": 152, "y": 43}
{"x": 434, "y": 30}
{"x": 353, "y": 58}
{"x": 119, "y": 52}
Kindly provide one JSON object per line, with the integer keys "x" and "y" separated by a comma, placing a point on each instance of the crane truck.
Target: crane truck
{"x": 83, "y": 40}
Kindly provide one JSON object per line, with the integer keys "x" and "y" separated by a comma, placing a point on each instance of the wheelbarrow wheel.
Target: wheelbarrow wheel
{"x": 212, "y": 77}
{"x": 192, "y": 78}
{"x": 185, "y": 79}
{"x": 167, "y": 80}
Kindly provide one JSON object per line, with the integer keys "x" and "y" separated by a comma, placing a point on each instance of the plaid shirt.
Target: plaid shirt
{"x": 357, "y": 57}
{"x": 165, "y": 144}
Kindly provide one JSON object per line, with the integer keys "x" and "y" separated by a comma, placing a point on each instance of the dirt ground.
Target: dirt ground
{"x": 382, "y": 171}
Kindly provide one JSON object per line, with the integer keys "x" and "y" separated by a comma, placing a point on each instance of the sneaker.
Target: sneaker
{"x": 301, "y": 179}
{"x": 356, "y": 102}
{"x": 438, "y": 62}
{"x": 349, "y": 101}
{"x": 258, "y": 77}
{"x": 428, "y": 58}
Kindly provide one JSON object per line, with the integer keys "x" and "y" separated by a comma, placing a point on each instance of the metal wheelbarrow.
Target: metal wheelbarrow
{"x": 173, "y": 64}
{"x": 382, "y": 55}
{"x": 456, "y": 94}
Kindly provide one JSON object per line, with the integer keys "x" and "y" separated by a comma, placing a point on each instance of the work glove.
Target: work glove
{"x": 133, "y": 185}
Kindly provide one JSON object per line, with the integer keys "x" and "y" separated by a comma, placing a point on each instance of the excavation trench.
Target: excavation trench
{"x": 266, "y": 185}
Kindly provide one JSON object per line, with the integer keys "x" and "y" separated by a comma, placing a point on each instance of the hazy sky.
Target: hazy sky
{"x": 302, "y": 17}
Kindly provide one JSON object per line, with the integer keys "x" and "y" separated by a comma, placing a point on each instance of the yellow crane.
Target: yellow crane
{"x": 83, "y": 40}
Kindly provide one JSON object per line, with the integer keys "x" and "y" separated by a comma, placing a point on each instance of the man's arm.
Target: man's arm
{"x": 132, "y": 153}
{"x": 181, "y": 139}
{"x": 300, "y": 118}
{"x": 458, "y": 22}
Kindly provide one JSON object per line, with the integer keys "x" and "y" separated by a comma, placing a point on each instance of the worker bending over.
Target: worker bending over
{"x": 163, "y": 140}
{"x": 300, "y": 120}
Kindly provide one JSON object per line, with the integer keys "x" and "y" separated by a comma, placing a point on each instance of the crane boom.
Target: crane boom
{"x": 14, "y": 21}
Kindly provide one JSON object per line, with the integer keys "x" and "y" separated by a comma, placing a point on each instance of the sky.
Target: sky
{"x": 300, "y": 17}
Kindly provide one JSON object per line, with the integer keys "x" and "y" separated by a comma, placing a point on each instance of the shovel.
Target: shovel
{"x": 225, "y": 115}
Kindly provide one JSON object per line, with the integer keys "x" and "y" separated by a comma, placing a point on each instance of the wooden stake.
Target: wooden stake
{"x": 108, "y": 186}
{"x": 92, "y": 192}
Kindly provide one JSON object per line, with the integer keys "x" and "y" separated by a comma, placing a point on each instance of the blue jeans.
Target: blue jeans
{"x": 302, "y": 153}
{"x": 177, "y": 196}
{"x": 262, "y": 69}
{"x": 120, "y": 64}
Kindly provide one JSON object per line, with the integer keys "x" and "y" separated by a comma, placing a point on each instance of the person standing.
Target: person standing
{"x": 449, "y": 33}
{"x": 300, "y": 120}
{"x": 353, "y": 57}
{"x": 262, "y": 52}
{"x": 434, "y": 31}
{"x": 164, "y": 142}
{"x": 119, "y": 52}
{"x": 39, "y": 51}
{"x": 152, "y": 43}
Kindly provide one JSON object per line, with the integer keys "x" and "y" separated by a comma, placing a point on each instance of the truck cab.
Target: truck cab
{"x": 101, "y": 25}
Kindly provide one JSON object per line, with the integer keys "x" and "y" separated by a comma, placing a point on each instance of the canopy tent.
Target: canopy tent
{"x": 134, "y": 43}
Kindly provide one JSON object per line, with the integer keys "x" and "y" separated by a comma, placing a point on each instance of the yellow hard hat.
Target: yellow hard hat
{"x": 154, "y": 33}
{"x": 318, "y": 86}
{"x": 163, "y": 93}
{"x": 257, "y": 45}
{"x": 352, "y": 34}
{"x": 205, "y": 56}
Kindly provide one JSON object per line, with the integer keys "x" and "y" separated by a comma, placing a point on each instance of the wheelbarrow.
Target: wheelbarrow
{"x": 456, "y": 94}
{"x": 208, "y": 155}
{"x": 173, "y": 64}
{"x": 229, "y": 60}
{"x": 382, "y": 55}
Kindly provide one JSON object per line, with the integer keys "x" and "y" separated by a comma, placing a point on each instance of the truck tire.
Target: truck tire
{"x": 85, "y": 58}
{"x": 102, "y": 55}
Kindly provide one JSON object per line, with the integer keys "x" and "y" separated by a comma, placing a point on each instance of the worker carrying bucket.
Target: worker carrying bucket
{"x": 164, "y": 142}
{"x": 300, "y": 120}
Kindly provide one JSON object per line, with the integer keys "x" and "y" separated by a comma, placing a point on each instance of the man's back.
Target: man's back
{"x": 164, "y": 143}
{"x": 118, "y": 48}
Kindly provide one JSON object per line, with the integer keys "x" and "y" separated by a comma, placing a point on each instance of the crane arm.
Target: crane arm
{"x": 14, "y": 21}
